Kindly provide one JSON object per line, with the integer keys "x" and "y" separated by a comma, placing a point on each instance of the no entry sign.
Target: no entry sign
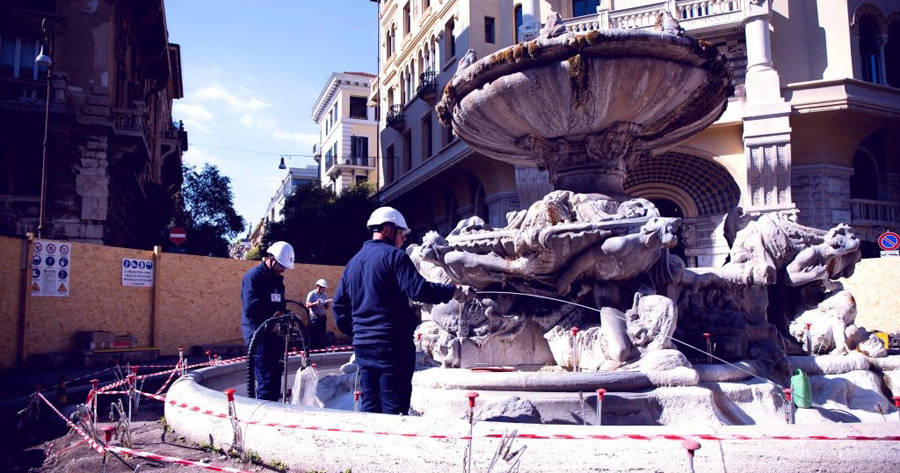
{"x": 177, "y": 235}
{"x": 889, "y": 241}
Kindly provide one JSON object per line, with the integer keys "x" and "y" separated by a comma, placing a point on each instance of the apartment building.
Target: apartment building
{"x": 295, "y": 177}
{"x": 113, "y": 158}
{"x": 347, "y": 131}
{"x": 814, "y": 125}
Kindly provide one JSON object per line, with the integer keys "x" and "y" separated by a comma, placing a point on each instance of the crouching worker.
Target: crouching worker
{"x": 262, "y": 295}
{"x": 371, "y": 305}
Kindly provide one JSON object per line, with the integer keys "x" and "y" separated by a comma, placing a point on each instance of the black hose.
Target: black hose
{"x": 253, "y": 347}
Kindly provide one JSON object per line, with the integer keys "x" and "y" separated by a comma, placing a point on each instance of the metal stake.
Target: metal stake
{"x": 600, "y": 393}
{"x": 574, "y": 349}
{"x": 471, "y": 396}
{"x": 897, "y": 403}
{"x": 809, "y": 350}
{"x": 789, "y": 414}
{"x": 709, "y": 348}
{"x": 691, "y": 446}
{"x": 94, "y": 396}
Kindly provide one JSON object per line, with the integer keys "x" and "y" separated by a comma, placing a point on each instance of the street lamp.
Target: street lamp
{"x": 43, "y": 59}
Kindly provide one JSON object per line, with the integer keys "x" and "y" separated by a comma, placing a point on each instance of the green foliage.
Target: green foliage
{"x": 253, "y": 254}
{"x": 210, "y": 220}
{"x": 324, "y": 228}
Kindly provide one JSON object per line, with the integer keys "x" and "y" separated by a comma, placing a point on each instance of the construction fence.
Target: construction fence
{"x": 193, "y": 300}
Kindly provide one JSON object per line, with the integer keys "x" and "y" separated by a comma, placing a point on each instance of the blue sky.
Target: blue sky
{"x": 252, "y": 71}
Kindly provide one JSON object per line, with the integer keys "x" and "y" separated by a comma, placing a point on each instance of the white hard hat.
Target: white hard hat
{"x": 283, "y": 253}
{"x": 383, "y": 215}
{"x": 322, "y": 282}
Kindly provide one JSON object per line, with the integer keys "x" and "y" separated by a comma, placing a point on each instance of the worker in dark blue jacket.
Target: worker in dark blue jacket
{"x": 262, "y": 295}
{"x": 371, "y": 304}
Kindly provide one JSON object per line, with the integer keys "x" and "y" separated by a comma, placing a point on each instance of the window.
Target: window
{"x": 448, "y": 135}
{"x": 17, "y": 58}
{"x": 406, "y": 20}
{"x": 892, "y": 55}
{"x": 449, "y": 40}
{"x": 362, "y": 179}
{"x": 489, "y": 30}
{"x": 407, "y": 153}
{"x": 337, "y": 114}
{"x": 389, "y": 162}
{"x": 864, "y": 181}
{"x": 869, "y": 50}
{"x": 426, "y": 4}
{"x": 517, "y": 12}
{"x": 426, "y": 138}
{"x": 359, "y": 150}
{"x": 358, "y": 108}
{"x": 584, "y": 7}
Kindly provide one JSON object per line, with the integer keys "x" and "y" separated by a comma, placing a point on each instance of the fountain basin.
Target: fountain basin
{"x": 335, "y": 440}
{"x": 585, "y": 107}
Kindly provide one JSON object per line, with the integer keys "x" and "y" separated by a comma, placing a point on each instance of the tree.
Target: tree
{"x": 210, "y": 220}
{"x": 324, "y": 228}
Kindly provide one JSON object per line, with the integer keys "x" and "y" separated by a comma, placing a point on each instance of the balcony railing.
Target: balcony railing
{"x": 395, "y": 117}
{"x": 26, "y": 90}
{"x": 360, "y": 161}
{"x": 704, "y": 11}
{"x": 427, "y": 89}
{"x": 866, "y": 212}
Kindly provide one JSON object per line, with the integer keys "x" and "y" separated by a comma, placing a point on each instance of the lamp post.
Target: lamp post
{"x": 43, "y": 59}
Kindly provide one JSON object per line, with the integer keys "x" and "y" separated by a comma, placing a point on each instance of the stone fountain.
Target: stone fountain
{"x": 586, "y": 108}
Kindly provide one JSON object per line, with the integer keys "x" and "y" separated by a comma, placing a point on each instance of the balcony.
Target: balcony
{"x": 695, "y": 16}
{"x": 333, "y": 165}
{"x": 427, "y": 89}
{"x": 395, "y": 117}
{"x": 874, "y": 213}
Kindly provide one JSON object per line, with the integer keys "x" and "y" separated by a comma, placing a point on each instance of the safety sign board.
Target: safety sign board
{"x": 50, "y": 271}
{"x": 889, "y": 241}
{"x": 137, "y": 272}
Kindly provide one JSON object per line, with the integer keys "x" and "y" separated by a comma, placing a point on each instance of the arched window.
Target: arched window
{"x": 892, "y": 55}
{"x": 517, "y": 12}
{"x": 864, "y": 181}
{"x": 481, "y": 208}
{"x": 869, "y": 34}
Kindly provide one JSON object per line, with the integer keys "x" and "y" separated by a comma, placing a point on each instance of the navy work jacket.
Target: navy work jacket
{"x": 262, "y": 294}
{"x": 371, "y": 301}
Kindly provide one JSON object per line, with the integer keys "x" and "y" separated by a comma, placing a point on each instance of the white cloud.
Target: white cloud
{"x": 216, "y": 93}
{"x": 258, "y": 121}
{"x": 298, "y": 137}
{"x": 194, "y": 115}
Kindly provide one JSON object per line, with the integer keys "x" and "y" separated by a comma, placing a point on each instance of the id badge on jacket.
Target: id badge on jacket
{"x": 276, "y": 297}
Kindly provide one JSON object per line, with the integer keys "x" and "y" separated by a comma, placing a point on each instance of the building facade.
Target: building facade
{"x": 113, "y": 167}
{"x": 814, "y": 124}
{"x": 295, "y": 177}
{"x": 348, "y": 131}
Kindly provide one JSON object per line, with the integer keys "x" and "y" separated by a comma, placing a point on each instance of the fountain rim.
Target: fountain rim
{"x": 593, "y": 44}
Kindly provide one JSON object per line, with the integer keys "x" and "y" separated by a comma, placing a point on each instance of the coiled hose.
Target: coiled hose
{"x": 254, "y": 347}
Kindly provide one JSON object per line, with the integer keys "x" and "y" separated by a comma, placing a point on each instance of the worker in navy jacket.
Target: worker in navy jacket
{"x": 371, "y": 304}
{"x": 262, "y": 295}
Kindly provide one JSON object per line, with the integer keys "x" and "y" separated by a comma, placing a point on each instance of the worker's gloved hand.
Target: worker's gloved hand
{"x": 464, "y": 293}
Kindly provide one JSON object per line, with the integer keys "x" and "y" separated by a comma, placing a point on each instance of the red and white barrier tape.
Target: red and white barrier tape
{"x": 96, "y": 446}
{"x": 721, "y": 437}
{"x": 179, "y": 461}
{"x": 169, "y": 379}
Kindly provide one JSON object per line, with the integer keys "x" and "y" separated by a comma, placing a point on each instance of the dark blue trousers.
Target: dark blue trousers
{"x": 385, "y": 376}
{"x": 317, "y": 331}
{"x": 269, "y": 364}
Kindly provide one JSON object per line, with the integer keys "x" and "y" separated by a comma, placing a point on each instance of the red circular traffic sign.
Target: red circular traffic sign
{"x": 889, "y": 241}
{"x": 177, "y": 235}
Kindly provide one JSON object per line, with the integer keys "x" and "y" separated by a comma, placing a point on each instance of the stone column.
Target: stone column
{"x": 499, "y": 205}
{"x": 531, "y": 20}
{"x": 822, "y": 193}
{"x": 532, "y": 185}
{"x": 882, "y": 66}
{"x": 767, "y": 130}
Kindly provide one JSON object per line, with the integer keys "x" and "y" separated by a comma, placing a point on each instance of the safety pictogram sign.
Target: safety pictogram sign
{"x": 137, "y": 272}
{"x": 47, "y": 276}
